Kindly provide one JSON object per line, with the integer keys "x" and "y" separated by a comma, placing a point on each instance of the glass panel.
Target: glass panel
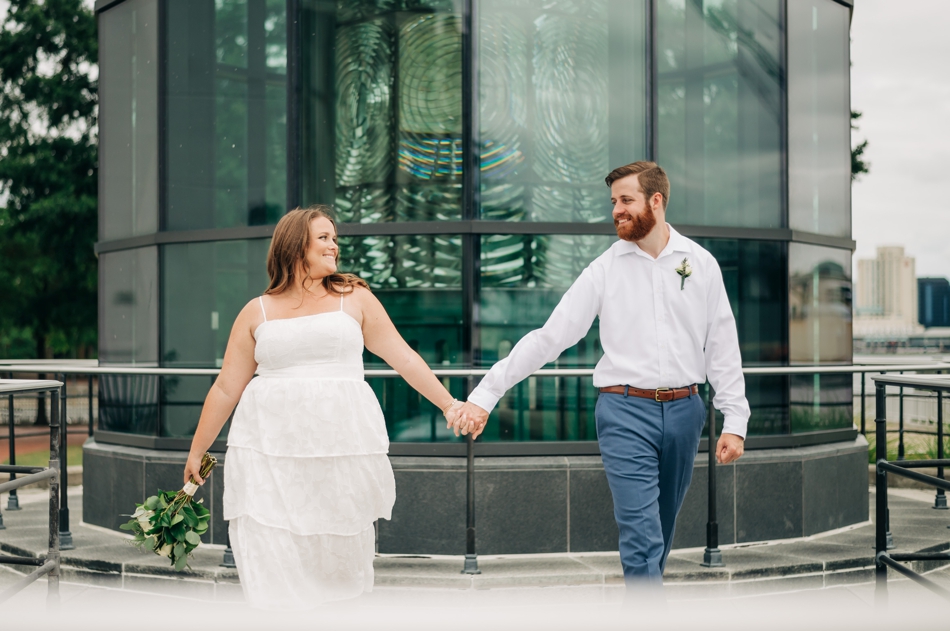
{"x": 819, "y": 118}
{"x": 418, "y": 280}
{"x": 819, "y": 305}
{"x": 205, "y": 287}
{"x": 128, "y": 120}
{"x": 382, "y": 90}
{"x": 522, "y": 280}
{"x": 819, "y": 332}
{"x": 128, "y": 334}
{"x": 719, "y": 98}
{"x": 562, "y": 95}
{"x": 754, "y": 275}
{"x": 226, "y": 113}
{"x": 128, "y": 307}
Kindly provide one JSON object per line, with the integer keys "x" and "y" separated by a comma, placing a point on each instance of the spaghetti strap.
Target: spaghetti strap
{"x": 341, "y": 301}
{"x": 261, "y": 299}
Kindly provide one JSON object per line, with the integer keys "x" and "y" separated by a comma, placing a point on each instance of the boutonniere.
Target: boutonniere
{"x": 685, "y": 271}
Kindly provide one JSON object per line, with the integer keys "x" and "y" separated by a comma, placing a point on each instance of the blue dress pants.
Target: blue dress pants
{"x": 648, "y": 449}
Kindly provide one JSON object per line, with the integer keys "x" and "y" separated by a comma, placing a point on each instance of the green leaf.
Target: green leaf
{"x": 178, "y": 531}
{"x": 192, "y": 538}
{"x": 177, "y": 519}
{"x": 181, "y": 562}
{"x": 128, "y": 526}
{"x": 152, "y": 503}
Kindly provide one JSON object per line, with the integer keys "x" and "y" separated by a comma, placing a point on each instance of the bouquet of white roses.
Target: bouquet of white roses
{"x": 170, "y": 524}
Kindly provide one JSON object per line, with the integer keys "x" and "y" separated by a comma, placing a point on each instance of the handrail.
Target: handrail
{"x": 883, "y": 537}
{"x": 50, "y": 566}
{"x": 465, "y": 372}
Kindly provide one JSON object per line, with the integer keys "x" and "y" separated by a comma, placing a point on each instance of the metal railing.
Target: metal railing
{"x": 883, "y": 539}
{"x": 49, "y": 566}
{"x": 712, "y": 555}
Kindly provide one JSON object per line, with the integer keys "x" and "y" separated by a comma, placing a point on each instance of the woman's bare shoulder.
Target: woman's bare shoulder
{"x": 252, "y": 314}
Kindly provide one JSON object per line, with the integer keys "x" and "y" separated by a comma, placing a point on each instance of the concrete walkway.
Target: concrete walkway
{"x": 104, "y": 559}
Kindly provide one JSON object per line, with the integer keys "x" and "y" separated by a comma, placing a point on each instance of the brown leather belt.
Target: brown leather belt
{"x": 660, "y": 394}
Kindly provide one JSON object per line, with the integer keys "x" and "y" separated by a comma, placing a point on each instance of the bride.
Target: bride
{"x": 307, "y": 471}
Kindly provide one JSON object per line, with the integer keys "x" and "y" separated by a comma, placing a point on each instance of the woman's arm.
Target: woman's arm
{"x": 236, "y": 372}
{"x": 382, "y": 339}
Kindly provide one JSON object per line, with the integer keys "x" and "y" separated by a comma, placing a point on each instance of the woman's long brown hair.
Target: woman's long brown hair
{"x": 288, "y": 253}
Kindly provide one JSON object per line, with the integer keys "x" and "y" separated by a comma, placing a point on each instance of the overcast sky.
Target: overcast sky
{"x": 900, "y": 80}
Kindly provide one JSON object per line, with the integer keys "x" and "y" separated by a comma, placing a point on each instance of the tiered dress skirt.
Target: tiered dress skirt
{"x": 306, "y": 475}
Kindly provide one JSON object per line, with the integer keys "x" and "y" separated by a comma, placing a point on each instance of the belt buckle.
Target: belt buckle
{"x": 656, "y": 395}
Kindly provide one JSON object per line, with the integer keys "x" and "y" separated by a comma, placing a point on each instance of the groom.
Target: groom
{"x": 665, "y": 326}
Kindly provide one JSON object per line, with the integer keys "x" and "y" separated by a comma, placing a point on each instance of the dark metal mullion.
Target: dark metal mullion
{"x": 783, "y": 113}
{"x": 294, "y": 97}
{"x": 162, "y": 121}
{"x": 653, "y": 97}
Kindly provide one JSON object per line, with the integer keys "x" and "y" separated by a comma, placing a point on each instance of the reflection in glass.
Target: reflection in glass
{"x": 128, "y": 307}
{"x": 205, "y": 287}
{"x": 128, "y": 118}
{"x": 754, "y": 275}
{"x": 819, "y": 133}
{"x": 562, "y": 101}
{"x": 522, "y": 280}
{"x": 226, "y": 74}
{"x": 819, "y": 332}
{"x": 128, "y": 334}
{"x": 719, "y": 99}
{"x": 418, "y": 280}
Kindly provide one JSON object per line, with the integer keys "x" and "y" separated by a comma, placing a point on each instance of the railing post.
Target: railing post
{"x": 900, "y": 426}
{"x": 13, "y": 500}
{"x": 89, "y": 397}
{"x": 65, "y": 536}
{"x": 880, "y": 495}
{"x": 56, "y": 461}
{"x": 228, "y": 559}
{"x": 471, "y": 558}
{"x": 940, "y": 501}
{"x": 712, "y": 556}
{"x": 863, "y": 426}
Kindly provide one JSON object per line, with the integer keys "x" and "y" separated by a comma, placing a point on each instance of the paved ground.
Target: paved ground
{"x": 109, "y": 584}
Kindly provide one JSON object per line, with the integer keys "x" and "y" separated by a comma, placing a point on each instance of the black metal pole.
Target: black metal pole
{"x": 900, "y": 427}
{"x": 471, "y": 558}
{"x": 13, "y": 500}
{"x": 65, "y": 536}
{"x": 863, "y": 425}
{"x": 712, "y": 556}
{"x": 55, "y": 462}
{"x": 89, "y": 396}
{"x": 940, "y": 501}
{"x": 228, "y": 559}
{"x": 880, "y": 496}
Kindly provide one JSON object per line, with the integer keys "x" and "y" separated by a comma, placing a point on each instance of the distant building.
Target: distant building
{"x": 933, "y": 302}
{"x": 886, "y": 303}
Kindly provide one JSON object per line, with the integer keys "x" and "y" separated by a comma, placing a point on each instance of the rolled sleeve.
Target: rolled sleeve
{"x": 723, "y": 359}
{"x": 569, "y": 322}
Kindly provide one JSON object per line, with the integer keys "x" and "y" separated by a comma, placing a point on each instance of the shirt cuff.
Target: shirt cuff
{"x": 735, "y": 425}
{"x": 483, "y": 399}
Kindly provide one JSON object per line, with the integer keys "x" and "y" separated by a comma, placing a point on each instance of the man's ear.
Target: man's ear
{"x": 656, "y": 202}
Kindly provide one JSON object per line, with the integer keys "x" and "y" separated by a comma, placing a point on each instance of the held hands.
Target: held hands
{"x": 729, "y": 448}
{"x": 466, "y": 418}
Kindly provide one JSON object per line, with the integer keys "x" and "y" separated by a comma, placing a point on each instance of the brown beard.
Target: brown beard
{"x": 638, "y": 227}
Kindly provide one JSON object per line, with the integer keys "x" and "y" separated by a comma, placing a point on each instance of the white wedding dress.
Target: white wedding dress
{"x": 307, "y": 471}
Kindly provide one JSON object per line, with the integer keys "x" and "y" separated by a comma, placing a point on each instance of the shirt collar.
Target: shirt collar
{"x": 677, "y": 243}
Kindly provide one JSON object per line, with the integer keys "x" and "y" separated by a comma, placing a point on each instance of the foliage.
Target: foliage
{"x": 170, "y": 524}
{"x": 48, "y": 147}
{"x": 859, "y": 165}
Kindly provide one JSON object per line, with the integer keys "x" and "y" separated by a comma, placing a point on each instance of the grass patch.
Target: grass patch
{"x": 41, "y": 458}
{"x": 916, "y": 447}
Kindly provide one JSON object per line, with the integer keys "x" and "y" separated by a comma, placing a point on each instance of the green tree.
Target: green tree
{"x": 48, "y": 179}
{"x": 858, "y": 164}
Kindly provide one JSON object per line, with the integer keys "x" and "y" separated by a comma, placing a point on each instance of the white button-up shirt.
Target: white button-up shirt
{"x": 654, "y": 333}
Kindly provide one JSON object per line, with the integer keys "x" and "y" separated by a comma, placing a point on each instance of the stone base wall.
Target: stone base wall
{"x": 541, "y": 504}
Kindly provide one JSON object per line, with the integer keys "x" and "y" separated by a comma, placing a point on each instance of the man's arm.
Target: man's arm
{"x": 569, "y": 322}
{"x": 724, "y": 369}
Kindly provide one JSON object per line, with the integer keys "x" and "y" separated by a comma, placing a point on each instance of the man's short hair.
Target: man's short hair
{"x": 651, "y": 176}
